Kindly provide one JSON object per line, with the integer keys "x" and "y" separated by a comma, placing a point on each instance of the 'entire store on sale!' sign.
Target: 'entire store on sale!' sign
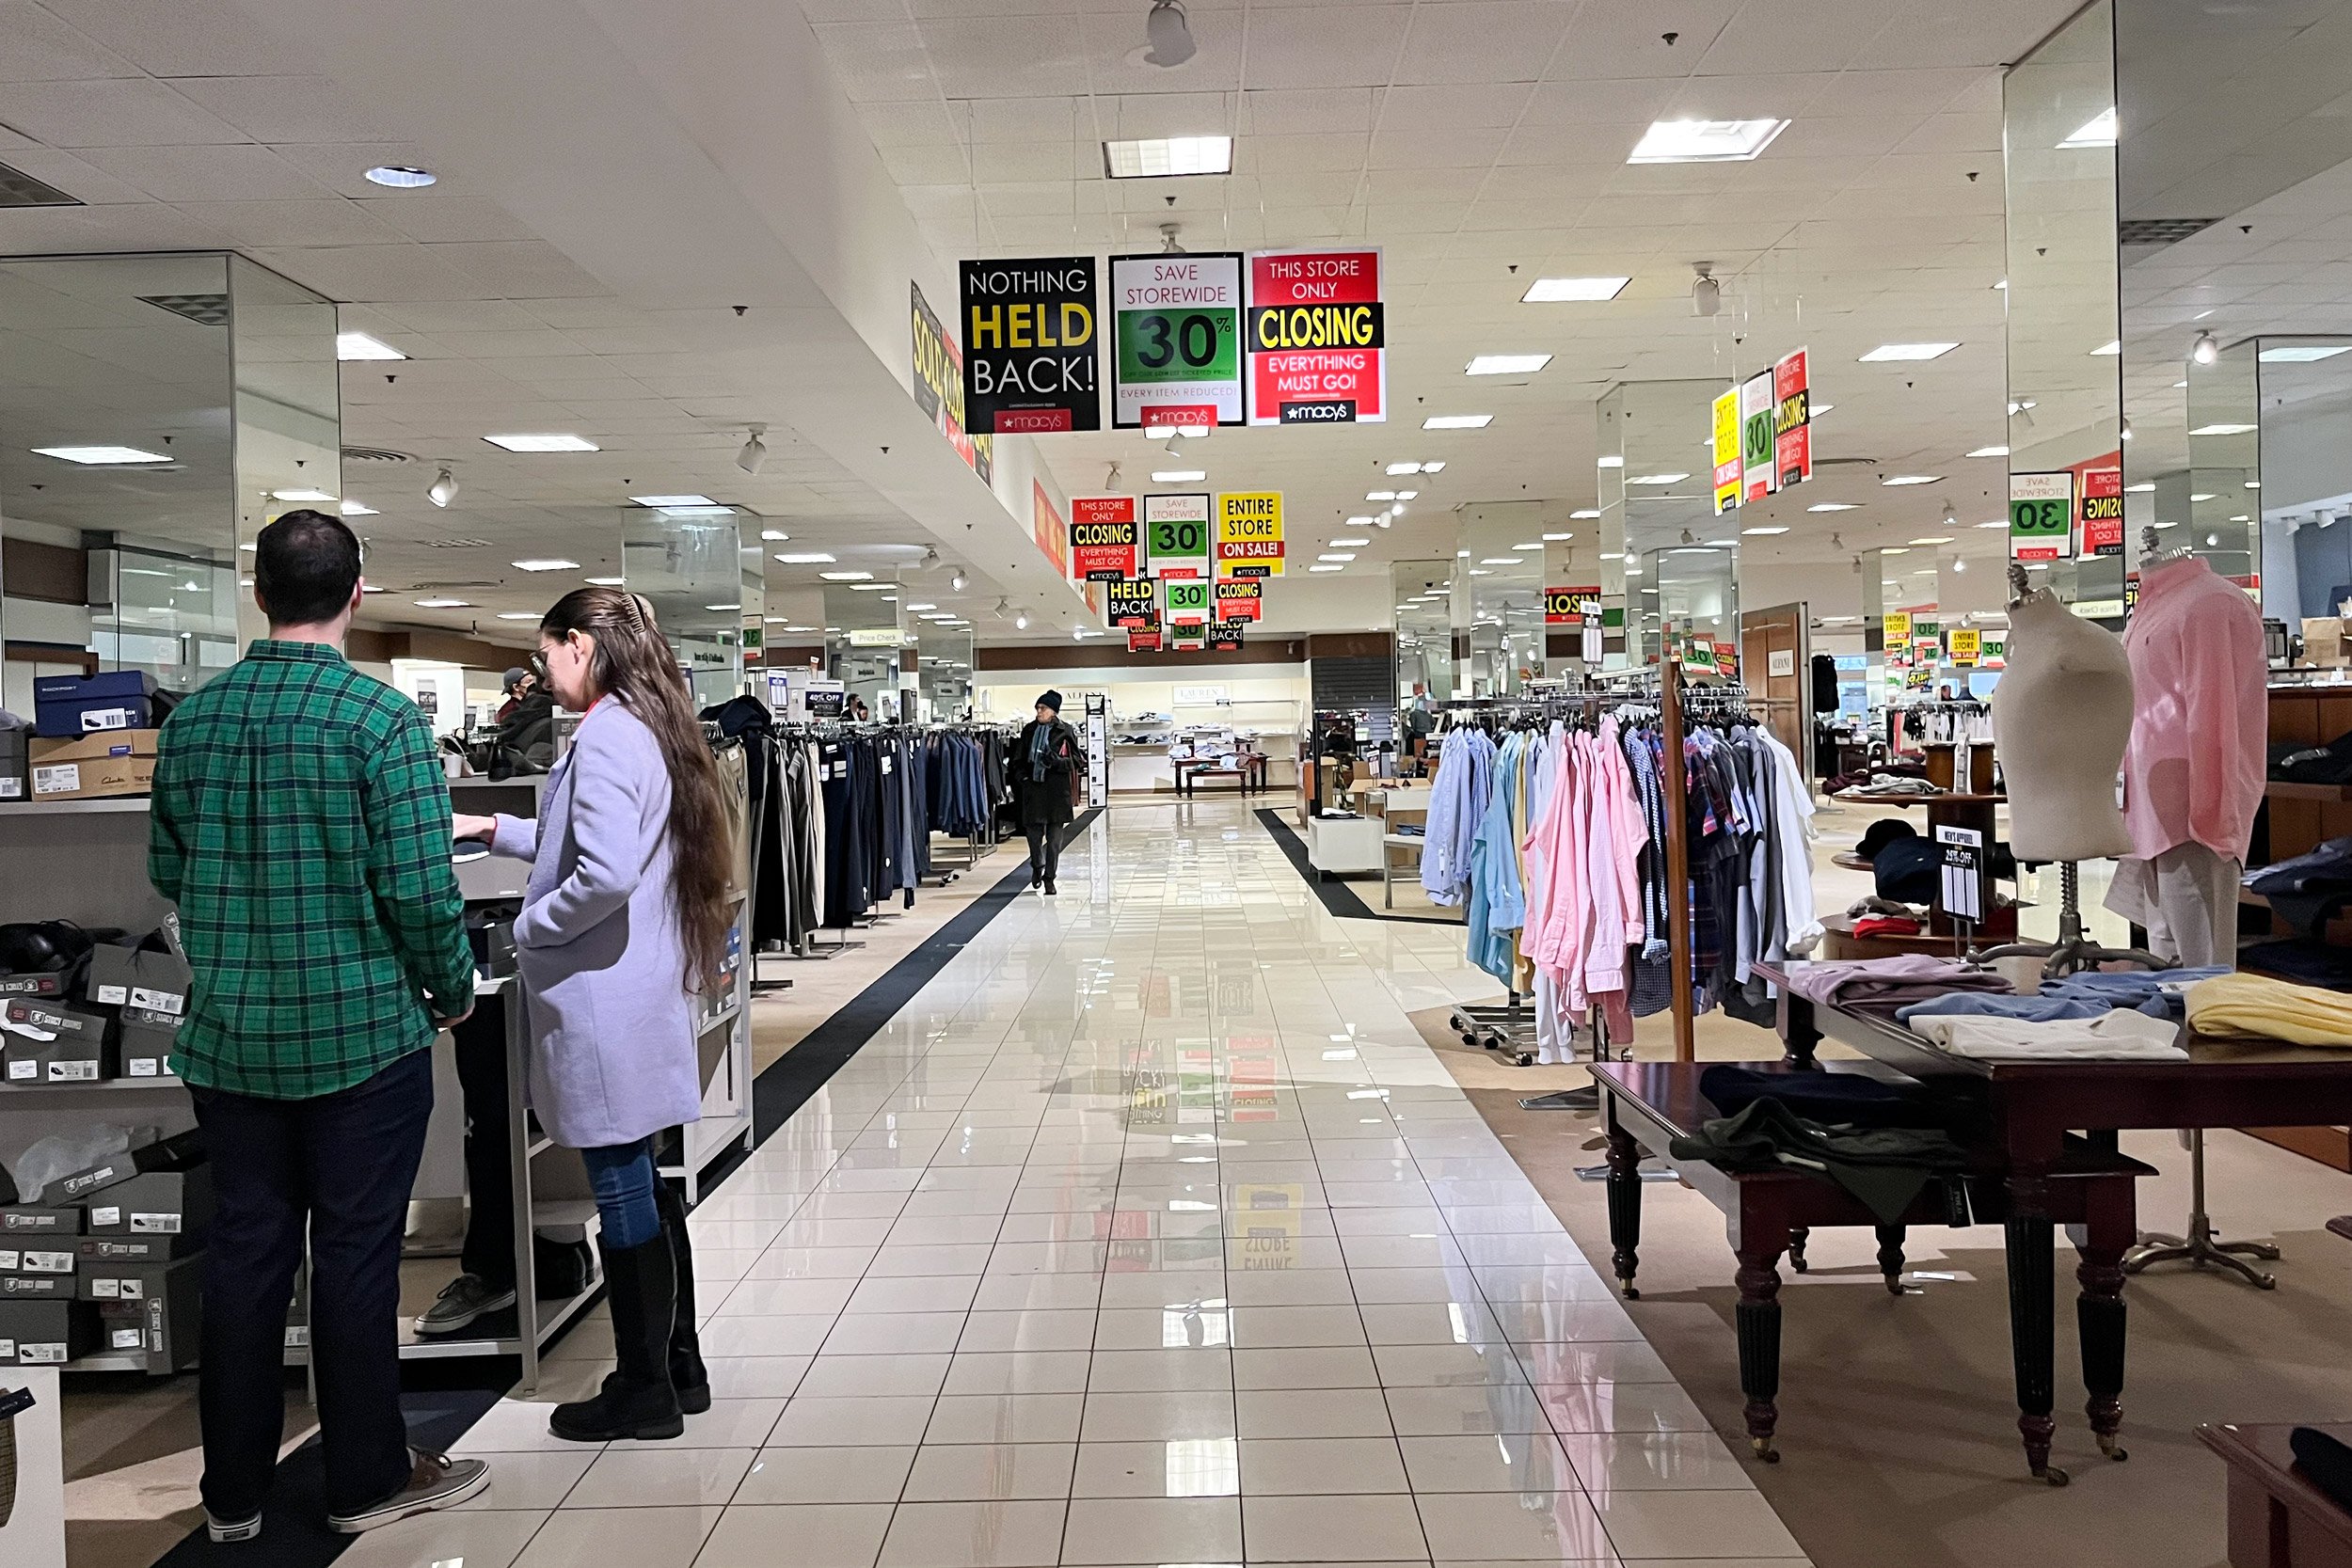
{"x": 1317, "y": 341}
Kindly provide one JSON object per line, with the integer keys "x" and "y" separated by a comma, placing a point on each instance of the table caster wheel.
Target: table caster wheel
{"x": 1626, "y": 1288}
{"x": 2052, "y": 1474}
{"x": 2113, "y": 1450}
{"x": 1764, "y": 1449}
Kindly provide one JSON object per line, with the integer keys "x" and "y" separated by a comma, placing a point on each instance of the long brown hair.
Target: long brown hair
{"x": 634, "y": 660}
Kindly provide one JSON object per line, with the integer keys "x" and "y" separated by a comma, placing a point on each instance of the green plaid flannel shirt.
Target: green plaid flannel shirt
{"x": 302, "y": 826}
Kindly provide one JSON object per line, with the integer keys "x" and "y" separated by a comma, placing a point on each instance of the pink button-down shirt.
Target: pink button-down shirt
{"x": 2193, "y": 769}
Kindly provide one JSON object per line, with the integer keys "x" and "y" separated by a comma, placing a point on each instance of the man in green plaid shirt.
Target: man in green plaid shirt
{"x": 302, "y": 826}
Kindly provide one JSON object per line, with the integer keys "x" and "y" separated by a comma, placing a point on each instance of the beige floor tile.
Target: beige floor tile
{"x": 651, "y": 1477}
{"x": 641, "y": 1537}
{"x": 1113, "y": 1530}
{"x": 1512, "y": 1462}
{"x": 985, "y": 1472}
{"x": 1643, "y": 1524}
{"x": 1313, "y": 1466}
{"x": 1311, "y": 1413}
{"x": 861, "y": 1422}
{"x": 866, "y": 1474}
{"x": 819, "y": 1535}
{"x": 1362, "y": 1529}
{"x": 1171, "y": 1468}
{"x": 1056, "y": 1372}
{"x": 533, "y": 1481}
{"x": 975, "y": 1535}
{"x": 1655, "y": 1460}
{"x": 482, "y": 1540}
{"x": 1006, "y": 1419}
{"x": 1117, "y": 1417}
{"x": 1512, "y": 1527}
{"x": 859, "y": 1376}
{"x": 1308, "y": 1367}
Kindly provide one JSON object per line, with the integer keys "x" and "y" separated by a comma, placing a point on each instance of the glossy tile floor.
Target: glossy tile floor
{"x": 1148, "y": 1233}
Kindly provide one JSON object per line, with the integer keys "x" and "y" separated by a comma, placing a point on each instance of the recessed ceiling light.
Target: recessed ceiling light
{"x": 1896, "y": 549}
{"x": 1834, "y": 506}
{"x": 1613, "y": 555}
{"x": 1997, "y": 522}
{"x": 773, "y": 535}
{"x": 2098, "y": 131}
{"x": 1556, "y": 538}
{"x": 1554, "y": 290}
{"x": 355, "y": 509}
{"x": 401, "y": 177}
{"x": 917, "y": 608}
{"x": 300, "y": 496}
{"x": 1461, "y": 555}
{"x": 1815, "y": 410}
{"x": 604, "y": 582}
{"x": 1656, "y": 479}
{"x": 1990, "y": 451}
{"x": 1457, "y": 421}
{"x": 1177, "y": 476}
{"x": 1892, "y": 480}
{"x": 542, "y": 443}
{"x": 666, "y": 502}
{"x": 860, "y": 587}
{"x": 1908, "y": 351}
{"x": 2222, "y": 429}
{"x": 518, "y": 615}
{"x": 1535, "y": 544}
{"x": 1705, "y": 141}
{"x": 1584, "y": 511}
{"x": 1403, "y": 467}
{"x": 846, "y": 577}
{"x": 807, "y": 557}
{"x": 2253, "y": 484}
{"x": 442, "y": 604}
{"x": 1363, "y": 522}
{"x": 361, "y": 345}
{"x": 1379, "y": 495}
{"x": 1933, "y": 539}
{"x": 1507, "y": 364}
{"x": 546, "y": 564}
{"x": 1500, "y": 561}
{"x": 1160, "y": 157}
{"x": 101, "y": 454}
{"x": 2202, "y": 495}
{"x": 1337, "y": 555}
{"x": 2115, "y": 347}
{"x": 1773, "y": 528}
{"x": 2301, "y": 353}
{"x": 724, "y": 608}
{"x": 1480, "y": 572}
{"x": 712, "y": 511}
{"x": 1609, "y": 459}
{"x": 1327, "y": 568}
{"x": 2146, "y": 487}
{"x": 1349, "y": 544}
{"x": 1433, "y": 468}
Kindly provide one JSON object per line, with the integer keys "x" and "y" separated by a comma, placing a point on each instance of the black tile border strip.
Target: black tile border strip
{"x": 1338, "y": 897}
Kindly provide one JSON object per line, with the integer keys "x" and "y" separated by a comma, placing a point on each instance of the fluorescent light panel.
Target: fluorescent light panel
{"x": 1893, "y": 479}
{"x": 1990, "y": 451}
{"x": 1769, "y": 528}
{"x": 1179, "y": 476}
{"x": 1705, "y": 141}
{"x": 846, "y": 577}
{"x": 667, "y": 501}
{"x": 1557, "y": 290}
{"x": 2301, "y": 353}
{"x": 542, "y": 443}
{"x": 1457, "y": 421}
{"x": 101, "y": 454}
{"x": 2098, "y": 131}
{"x": 361, "y": 345}
{"x": 1507, "y": 364}
{"x": 807, "y": 557}
{"x": 546, "y": 564}
{"x": 1886, "y": 351}
{"x": 1656, "y": 479}
{"x": 1162, "y": 157}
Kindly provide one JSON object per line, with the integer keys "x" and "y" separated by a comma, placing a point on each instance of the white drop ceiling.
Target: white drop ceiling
{"x": 1480, "y": 143}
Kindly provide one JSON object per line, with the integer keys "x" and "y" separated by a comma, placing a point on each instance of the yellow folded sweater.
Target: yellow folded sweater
{"x": 2252, "y": 1005}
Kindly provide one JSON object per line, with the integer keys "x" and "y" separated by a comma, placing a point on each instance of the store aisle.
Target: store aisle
{"x": 1148, "y": 1232}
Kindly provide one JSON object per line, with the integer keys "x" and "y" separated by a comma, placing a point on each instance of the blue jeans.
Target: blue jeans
{"x": 622, "y": 1178}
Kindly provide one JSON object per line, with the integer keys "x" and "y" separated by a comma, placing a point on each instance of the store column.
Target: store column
{"x": 1680, "y": 559}
{"x": 689, "y": 566}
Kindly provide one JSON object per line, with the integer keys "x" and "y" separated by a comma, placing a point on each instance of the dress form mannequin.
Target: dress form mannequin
{"x": 2061, "y": 718}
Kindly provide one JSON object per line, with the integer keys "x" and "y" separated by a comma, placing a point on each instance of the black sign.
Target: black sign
{"x": 827, "y": 705}
{"x": 1030, "y": 360}
{"x": 1135, "y": 602}
{"x": 1225, "y": 637}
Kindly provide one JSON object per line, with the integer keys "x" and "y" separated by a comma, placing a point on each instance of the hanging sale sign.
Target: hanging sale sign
{"x": 1757, "y": 478}
{"x": 1240, "y": 599}
{"x": 1567, "y": 605}
{"x": 1727, "y": 448}
{"x": 1133, "y": 602}
{"x": 1143, "y": 640}
{"x": 1793, "y": 423}
{"x": 1225, "y": 637}
{"x": 1176, "y": 342}
{"x": 1187, "y": 637}
{"x": 1029, "y": 350}
{"x": 1105, "y": 540}
{"x": 2101, "y": 508}
{"x": 1250, "y": 533}
{"x": 1897, "y": 624}
{"x": 1187, "y": 603}
{"x": 1176, "y": 535}
{"x": 2041, "y": 516}
{"x": 1966, "y": 644}
{"x": 939, "y": 388}
{"x": 1317, "y": 341}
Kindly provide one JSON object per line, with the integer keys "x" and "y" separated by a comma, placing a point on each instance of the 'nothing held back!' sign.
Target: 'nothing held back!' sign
{"x": 1029, "y": 346}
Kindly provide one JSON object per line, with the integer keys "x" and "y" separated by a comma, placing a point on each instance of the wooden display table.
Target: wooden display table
{"x": 2278, "y": 1517}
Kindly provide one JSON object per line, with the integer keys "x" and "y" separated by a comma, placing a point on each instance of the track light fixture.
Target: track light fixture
{"x": 1707, "y": 293}
{"x": 443, "y": 489}
{"x": 755, "y": 452}
{"x": 957, "y": 581}
{"x": 1951, "y": 516}
{"x": 2205, "y": 349}
{"x": 1170, "y": 34}
{"x": 1021, "y": 621}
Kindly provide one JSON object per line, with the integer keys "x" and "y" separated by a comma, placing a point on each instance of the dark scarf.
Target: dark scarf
{"x": 1040, "y": 742}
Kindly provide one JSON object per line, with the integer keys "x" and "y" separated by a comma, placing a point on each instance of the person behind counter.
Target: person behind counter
{"x": 1044, "y": 756}
{"x": 623, "y": 924}
{"x": 301, "y": 826}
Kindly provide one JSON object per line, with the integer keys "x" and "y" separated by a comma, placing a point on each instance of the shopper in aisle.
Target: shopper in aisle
{"x": 1045, "y": 759}
{"x": 301, "y": 826}
{"x": 623, "y": 924}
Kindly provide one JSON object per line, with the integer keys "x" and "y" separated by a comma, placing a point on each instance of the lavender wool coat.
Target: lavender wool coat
{"x": 612, "y": 1054}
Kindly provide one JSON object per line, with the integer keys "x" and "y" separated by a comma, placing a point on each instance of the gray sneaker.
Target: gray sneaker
{"x": 435, "y": 1482}
{"x": 462, "y": 1301}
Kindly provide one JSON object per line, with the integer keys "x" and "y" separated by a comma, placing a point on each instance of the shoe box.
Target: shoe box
{"x": 155, "y": 1204}
{"x": 26, "y": 1222}
{"x": 155, "y": 1309}
{"x": 95, "y": 766}
{"x": 70, "y": 706}
{"x": 182, "y": 1151}
{"x": 38, "y": 1269}
{"x": 47, "y": 1332}
{"x": 14, "y": 783}
{"x": 59, "y": 1042}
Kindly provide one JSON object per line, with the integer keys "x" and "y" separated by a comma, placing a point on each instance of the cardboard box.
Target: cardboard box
{"x": 46, "y": 1333}
{"x": 158, "y": 1312}
{"x": 181, "y": 1151}
{"x": 148, "y": 1041}
{"x": 152, "y": 981}
{"x": 35, "y": 1287}
{"x": 70, "y": 705}
{"x": 56, "y": 1254}
{"x": 136, "y": 1249}
{"x": 14, "y": 783}
{"x": 20, "y": 1222}
{"x": 156, "y": 1203}
{"x": 56, "y": 1042}
{"x": 2322, "y": 640}
{"x": 95, "y": 767}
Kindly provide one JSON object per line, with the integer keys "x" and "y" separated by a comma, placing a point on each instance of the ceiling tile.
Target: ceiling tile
{"x": 233, "y": 173}
{"x": 432, "y": 216}
{"x": 1483, "y": 41}
{"x": 1449, "y": 108}
{"x": 1614, "y": 42}
{"x": 188, "y": 37}
{"x": 36, "y": 46}
{"x": 1325, "y": 46}
{"x": 327, "y": 221}
{"x": 1309, "y": 111}
{"x": 1016, "y": 56}
{"x": 1457, "y": 148}
{"x": 139, "y": 112}
{"x": 879, "y": 61}
{"x": 518, "y": 269}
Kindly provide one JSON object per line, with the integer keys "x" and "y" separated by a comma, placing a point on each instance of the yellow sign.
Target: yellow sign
{"x": 1967, "y": 646}
{"x": 1898, "y": 624}
{"x": 1250, "y": 533}
{"x": 1728, "y": 468}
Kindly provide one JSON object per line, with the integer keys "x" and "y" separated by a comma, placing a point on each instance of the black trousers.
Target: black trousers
{"x": 481, "y": 1050}
{"x": 339, "y": 1167}
{"x": 1045, "y": 849}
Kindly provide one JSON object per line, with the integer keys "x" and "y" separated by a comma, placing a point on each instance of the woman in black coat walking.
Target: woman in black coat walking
{"x": 1045, "y": 758}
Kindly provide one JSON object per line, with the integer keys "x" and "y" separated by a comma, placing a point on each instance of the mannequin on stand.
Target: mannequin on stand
{"x": 2192, "y": 782}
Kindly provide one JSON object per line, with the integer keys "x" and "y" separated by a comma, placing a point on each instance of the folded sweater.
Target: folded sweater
{"x": 1883, "y": 985}
{"x": 2121, "y": 1035}
{"x": 2043, "y": 1009}
{"x": 2252, "y": 1005}
{"x": 2157, "y": 993}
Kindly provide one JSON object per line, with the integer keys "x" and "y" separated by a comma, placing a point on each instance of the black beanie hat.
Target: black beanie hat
{"x": 1052, "y": 700}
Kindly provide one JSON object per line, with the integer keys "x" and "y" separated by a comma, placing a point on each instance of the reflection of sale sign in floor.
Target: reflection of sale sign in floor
{"x": 1135, "y": 602}
{"x": 1240, "y": 600}
{"x": 2102, "y": 512}
{"x": 1105, "y": 540}
{"x": 1176, "y": 341}
{"x": 1317, "y": 342}
{"x": 1187, "y": 603}
{"x": 2041, "y": 516}
{"x": 1250, "y": 533}
{"x": 1176, "y": 531}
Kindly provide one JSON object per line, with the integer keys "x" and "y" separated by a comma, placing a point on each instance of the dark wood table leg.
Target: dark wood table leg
{"x": 1798, "y": 1236}
{"x": 1625, "y": 1210}
{"x": 1891, "y": 1256}
{"x": 1799, "y": 1035}
{"x": 2031, "y": 1316}
{"x": 2099, "y": 1312}
{"x": 1757, "y": 1320}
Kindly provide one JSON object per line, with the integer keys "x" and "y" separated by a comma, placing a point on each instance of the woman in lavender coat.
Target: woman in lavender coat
{"x": 623, "y": 922}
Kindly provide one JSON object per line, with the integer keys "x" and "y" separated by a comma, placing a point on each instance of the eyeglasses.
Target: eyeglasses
{"x": 539, "y": 662}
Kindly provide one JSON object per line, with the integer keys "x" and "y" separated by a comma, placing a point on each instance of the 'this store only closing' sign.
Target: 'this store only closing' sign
{"x": 1318, "y": 345}
{"x": 1105, "y": 539}
{"x": 1029, "y": 350}
{"x": 1250, "y": 533}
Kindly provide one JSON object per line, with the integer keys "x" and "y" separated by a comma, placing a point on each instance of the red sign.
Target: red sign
{"x": 1180, "y": 416}
{"x": 1568, "y": 607}
{"x": 1792, "y": 420}
{"x": 2101, "y": 505}
{"x": 1240, "y": 599}
{"x": 1046, "y": 526}
{"x": 1143, "y": 640}
{"x": 1105, "y": 539}
{"x": 1316, "y": 339}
